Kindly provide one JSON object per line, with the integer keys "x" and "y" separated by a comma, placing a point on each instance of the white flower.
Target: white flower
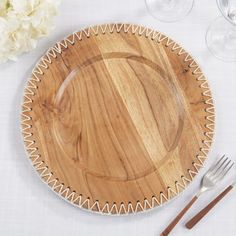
{"x": 22, "y": 23}
{"x": 3, "y": 7}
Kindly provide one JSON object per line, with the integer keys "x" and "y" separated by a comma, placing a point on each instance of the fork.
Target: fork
{"x": 215, "y": 174}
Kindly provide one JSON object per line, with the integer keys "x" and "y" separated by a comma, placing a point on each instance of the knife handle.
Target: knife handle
{"x": 178, "y": 217}
{"x": 206, "y": 209}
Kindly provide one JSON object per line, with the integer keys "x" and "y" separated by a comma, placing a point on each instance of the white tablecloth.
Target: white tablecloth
{"x": 28, "y": 207}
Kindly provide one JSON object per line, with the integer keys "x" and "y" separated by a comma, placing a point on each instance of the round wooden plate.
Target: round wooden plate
{"x": 117, "y": 118}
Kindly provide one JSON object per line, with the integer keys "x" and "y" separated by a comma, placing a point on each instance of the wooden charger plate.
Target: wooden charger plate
{"x": 117, "y": 118}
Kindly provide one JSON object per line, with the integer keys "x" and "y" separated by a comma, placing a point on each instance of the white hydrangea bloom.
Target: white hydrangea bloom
{"x": 22, "y": 23}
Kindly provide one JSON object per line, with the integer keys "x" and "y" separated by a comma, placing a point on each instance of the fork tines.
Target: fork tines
{"x": 221, "y": 168}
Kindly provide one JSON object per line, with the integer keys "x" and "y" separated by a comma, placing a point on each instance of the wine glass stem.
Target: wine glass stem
{"x": 168, "y": 3}
{"x": 231, "y": 36}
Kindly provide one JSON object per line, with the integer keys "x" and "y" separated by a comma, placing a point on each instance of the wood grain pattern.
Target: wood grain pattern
{"x": 121, "y": 120}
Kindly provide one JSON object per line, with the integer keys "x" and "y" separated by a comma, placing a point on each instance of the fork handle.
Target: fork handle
{"x": 178, "y": 217}
{"x": 190, "y": 224}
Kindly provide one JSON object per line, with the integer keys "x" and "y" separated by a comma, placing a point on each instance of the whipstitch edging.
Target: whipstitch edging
{"x": 66, "y": 192}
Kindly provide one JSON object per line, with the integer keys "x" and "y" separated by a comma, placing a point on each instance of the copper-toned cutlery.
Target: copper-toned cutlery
{"x": 215, "y": 174}
{"x": 192, "y": 222}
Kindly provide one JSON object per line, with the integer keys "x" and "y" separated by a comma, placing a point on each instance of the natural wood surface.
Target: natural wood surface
{"x": 193, "y": 221}
{"x": 174, "y": 222}
{"x": 119, "y": 118}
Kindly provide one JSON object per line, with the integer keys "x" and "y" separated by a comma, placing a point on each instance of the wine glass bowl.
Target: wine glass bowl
{"x": 228, "y": 9}
{"x": 221, "y": 35}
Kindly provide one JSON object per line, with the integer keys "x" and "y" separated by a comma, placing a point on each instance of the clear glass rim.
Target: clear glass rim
{"x": 228, "y": 60}
{"x": 168, "y": 21}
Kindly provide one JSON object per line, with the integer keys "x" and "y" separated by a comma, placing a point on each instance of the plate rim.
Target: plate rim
{"x": 65, "y": 192}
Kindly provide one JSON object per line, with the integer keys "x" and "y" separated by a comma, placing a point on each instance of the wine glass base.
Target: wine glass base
{"x": 169, "y": 10}
{"x": 221, "y": 39}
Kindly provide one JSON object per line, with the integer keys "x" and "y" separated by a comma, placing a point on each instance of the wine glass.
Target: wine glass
{"x": 169, "y": 10}
{"x": 221, "y": 35}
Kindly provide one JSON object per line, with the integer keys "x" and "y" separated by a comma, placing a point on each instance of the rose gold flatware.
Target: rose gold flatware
{"x": 215, "y": 174}
{"x": 192, "y": 222}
